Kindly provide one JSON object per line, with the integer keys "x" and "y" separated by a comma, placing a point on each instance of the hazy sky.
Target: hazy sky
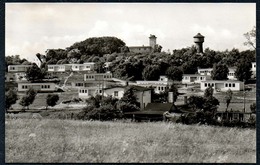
{"x": 33, "y": 28}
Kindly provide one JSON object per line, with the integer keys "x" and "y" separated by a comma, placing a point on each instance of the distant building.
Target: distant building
{"x": 222, "y": 85}
{"x": 159, "y": 86}
{"x": 194, "y": 78}
{"x": 38, "y": 86}
{"x": 18, "y": 68}
{"x": 71, "y": 67}
{"x": 205, "y": 71}
{"x": 145, "y": 49}
{"x": 143, "y": 94}
{"x": 98, "y": 76}
{"x": 231, "y": 74}
{"x": 198, "y": 40}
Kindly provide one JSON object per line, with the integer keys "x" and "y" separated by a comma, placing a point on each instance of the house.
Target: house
{"x": 143, "y": 94}
{"x": 153, "y": 112}
{"x": 89, "y": 66}
{"x": 59, "y": 68}
{"x": 19, "y": 76}
{"x": 144, "y": 49}
{"x": 194, "y": 78}
{"x": 205, "y": 71}
{"x": 98, "y": 76}
{"x": 18, "y": 68}
{"x": 71, "y": 67}
{"x": 208, "y": 72}
{"x": 159, "y": 86}
{"x": 222, "y": 85}
{"x": 39, "y": 86}
{"x": 231, "y": 74}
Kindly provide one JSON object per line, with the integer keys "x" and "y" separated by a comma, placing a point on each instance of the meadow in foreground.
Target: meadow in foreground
{"x": 47, "y": 140}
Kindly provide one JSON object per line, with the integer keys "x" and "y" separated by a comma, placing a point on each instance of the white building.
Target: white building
{"x": 143, "y": 94}
{"x": 194, "y": 78}
{"x": 231, "y": 74}
{"x": 160, "y": 86}
{"x": 39, "y": 86}
{"x": 205, "y": 71}
{"x": 222, "y": 85}
{"x": 18, "y": 68}
{"x": 98, "y": 77}
{"x": 59, "y": 68}
{"x": 71, "y": 67}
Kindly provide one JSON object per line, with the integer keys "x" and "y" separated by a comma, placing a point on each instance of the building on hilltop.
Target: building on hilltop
{"x": 222, "y": 85}
{"x": 198, "y": 40}
{"x": 145, "y": 49}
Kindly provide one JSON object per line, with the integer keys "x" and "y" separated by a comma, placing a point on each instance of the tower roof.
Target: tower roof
{"x": 198, "y": 36}
{"x": 152, "y": 36}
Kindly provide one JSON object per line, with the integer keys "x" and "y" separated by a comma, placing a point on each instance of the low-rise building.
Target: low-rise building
{"x": 38, "y": 86}
{"x": 98, "y": 76}
{"x": 222, "y": 85}
{"x": 205, "y": 71}
{"x": 159, "y": 86}
{"x": 59, "y": 68}
{"x": 18, "y": 68}
{"x": 231, "y": 74}
{"x": 194, "y": 78}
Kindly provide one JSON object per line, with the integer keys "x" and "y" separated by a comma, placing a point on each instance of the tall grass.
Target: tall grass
{"x": 53, "y": 141}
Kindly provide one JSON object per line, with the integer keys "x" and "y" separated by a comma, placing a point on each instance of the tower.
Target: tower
{"x": 199, "y": 39}
{"x": 152, "y": 40}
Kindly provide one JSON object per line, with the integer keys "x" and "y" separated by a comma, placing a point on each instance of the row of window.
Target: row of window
{"x": 162, "y": 88}
{"x": 198, "y": 78}
{"x": 226, "y": 84}
{"x": 79, "y": 84}
{"x": 231, "y": 74}
{"x": 42, "y": 86}
{"x": 86, "y": 91}
{"x": 92, "y": 76}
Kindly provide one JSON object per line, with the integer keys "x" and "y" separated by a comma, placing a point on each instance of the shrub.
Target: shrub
{"x": 52, "y": 100}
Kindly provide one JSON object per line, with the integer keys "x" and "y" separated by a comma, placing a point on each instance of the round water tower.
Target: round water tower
{"x": 198, "y": 40}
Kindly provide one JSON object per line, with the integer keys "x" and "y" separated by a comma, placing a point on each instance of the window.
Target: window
{"x": 229, "y": 84}
{"x": 226, "y": 85}
{"x": 159, "y": 88}
{"x": 206, "y": 84}
{"x": 86, "y": 91}
{"x": 234, "y": 85}
{"x": 212, "y": 85}
{"x": 116, "y": 93}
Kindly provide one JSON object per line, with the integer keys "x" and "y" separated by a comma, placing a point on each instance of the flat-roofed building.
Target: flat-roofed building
{"x": 222, "y": 85}
{"x": 18, "y": 68}
{"x": 59, "y": 68}
{"x": 38, "y": 86}
{"x": 194, "y": 78}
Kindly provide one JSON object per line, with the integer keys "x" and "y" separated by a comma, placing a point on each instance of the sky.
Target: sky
{"x": 35, "y": 27}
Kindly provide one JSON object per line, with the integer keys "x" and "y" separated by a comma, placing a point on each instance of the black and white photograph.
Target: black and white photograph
{"x": 130, "y": 82}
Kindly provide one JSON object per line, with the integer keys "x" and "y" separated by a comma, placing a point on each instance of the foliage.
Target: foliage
{"x": 28, "y": 98}
{"x": 10, "y": 98}
{"x": 34, "y": 73}
{"x": 174, "y": 73}
{"x": 208, "y": 92}
{"x": 13, "y": 60}
{"x": 151, "y": 72}
{"x": 101, "y": 108}
{"x": 219, "y": 72}
{"x": 99, "y": 67}
{"x": 197, "y": 102}
{"x": 243, "y": 71}
{"x": 251, "y": 38}
{"x": 228, "y": 97}
{"x": 98, "y": 45}
{"x": 253, "y": 107}
{"x": 52, "y": 100}
{"x": 129, "y": 101}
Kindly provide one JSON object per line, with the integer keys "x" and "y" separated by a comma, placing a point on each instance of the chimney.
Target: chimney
{"x": 170, "y": 97}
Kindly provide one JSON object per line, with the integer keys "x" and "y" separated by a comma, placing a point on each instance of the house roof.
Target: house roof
{"x": 222, "y": 81}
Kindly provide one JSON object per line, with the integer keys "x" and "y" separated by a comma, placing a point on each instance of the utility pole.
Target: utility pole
{"x": 244, "y": 97}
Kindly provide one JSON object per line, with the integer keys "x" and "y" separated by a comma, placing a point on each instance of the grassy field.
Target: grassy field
{"x": 46, "y": 141}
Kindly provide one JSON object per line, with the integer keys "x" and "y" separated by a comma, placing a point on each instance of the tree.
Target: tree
{"x": 51, "y": 100}
{"x": 219, "y": 72}
{"x": 211, "y": 103}
{"x": 228, "y": 97}
{"x": 243, "y": 71}
{"x": 99, "y": 67}
{"x": 151, "y": 72}
{"x": 128, "y": 102}
{"x": 208, "y": 92}
{"x": 251, "y": 38}
{"x": 174, "y": 73}
{"x": 28, "y": 98}
{"x": 157, "y": 48}
{"x": 34, "y": 73}
{"x": 253, "y": 107}
{"x": 196, "y": 102}
{"x": 10, "y": 98}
